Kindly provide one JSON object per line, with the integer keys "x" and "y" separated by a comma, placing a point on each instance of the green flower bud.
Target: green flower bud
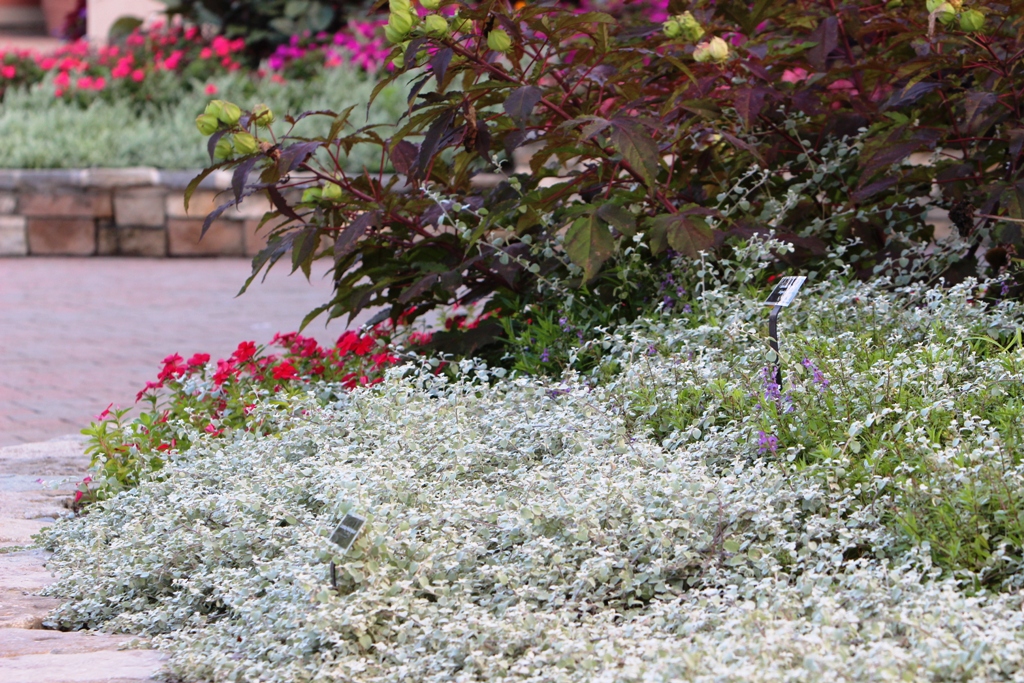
{"x": 245, "y": 143}
{"x": 402, "y": 22}
{"x": 971, "y": 21}
{"x": 945, "y": 13}
{"x": 399, "y": 61}
{"x": 226, "y": 112}
{"x": 262, "y": 115}
{"x": 461, "y": 24}
{"x": 499, "y": 41}
{"x": 214, "y": 109}
{"x": 331, "y": 191}
{"x": 435, "y": 25}
{"x": 714, "y": 50}
{"x": 223, "y": 149}
{"x": 672, "y": 29}
{"x": 311, "y": 194}
{"x": 430, "y": 4}
{"x": 207, "y": 123}
{"x": 401, "y": 6}
{"x": 393, "y": 35}
{"x": 689, "y": 28}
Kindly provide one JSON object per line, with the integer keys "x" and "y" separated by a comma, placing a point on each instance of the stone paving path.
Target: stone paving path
{"x": 29, "y": 654}
{"x": 75, "y": 335}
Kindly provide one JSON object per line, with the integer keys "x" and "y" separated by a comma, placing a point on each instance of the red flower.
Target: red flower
{"x": 352, "y": 342}
{"x": 173, "y": 367}
{"x": 198, "y": 360}
{"x": 284, "y": 371}
{"x": 106, "y": 411}
{"x": 211, "y": 89}
{"x": 225, "y": 371}
{"x": 149, "y": 385}
{"x": 420, "y": 338}
{"x": 244, "y": 352}
{"x": 213, "y": 431}
{"x": 382, "y": 359}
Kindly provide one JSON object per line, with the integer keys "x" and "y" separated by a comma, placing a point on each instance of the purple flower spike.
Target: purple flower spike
{"x": 767, "y": 442}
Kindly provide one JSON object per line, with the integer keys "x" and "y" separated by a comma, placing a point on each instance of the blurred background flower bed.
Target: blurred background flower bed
{"x": 134, "y": 101}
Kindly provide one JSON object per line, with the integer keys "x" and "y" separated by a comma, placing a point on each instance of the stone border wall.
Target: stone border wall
{"x": 121, "y": 212}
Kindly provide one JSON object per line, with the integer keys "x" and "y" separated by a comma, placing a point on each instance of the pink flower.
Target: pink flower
{"x": 99, "y": 83}
{"x": 149, "y": 385}
{"x": 205, "y": 53}
{"x": 84, "y": 83}
{"x": 8, "y": 71}
{"x": 173, "y": 60}
{"x": 138, "y": 75}
{"x": 794, "y": 75}
{"x": 221, "y": 45}
{"x": 106, "y": 411}
{"x": 62, "y": 80}
{"x": 211, "y": 89}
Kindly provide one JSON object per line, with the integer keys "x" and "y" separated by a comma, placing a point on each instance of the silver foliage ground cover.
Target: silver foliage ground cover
{"x": 524, "y": 529}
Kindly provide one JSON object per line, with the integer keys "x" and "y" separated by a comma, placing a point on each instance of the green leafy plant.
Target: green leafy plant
{"x": 195, "y": 397}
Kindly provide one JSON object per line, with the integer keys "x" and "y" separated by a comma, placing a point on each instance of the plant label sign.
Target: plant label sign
{"x": 345, "y": 534}
{"x": 785, "y": 292}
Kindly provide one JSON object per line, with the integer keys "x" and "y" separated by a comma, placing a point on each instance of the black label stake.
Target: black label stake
{"x": 345, "y": 535}
{"x": 783, "y": 295}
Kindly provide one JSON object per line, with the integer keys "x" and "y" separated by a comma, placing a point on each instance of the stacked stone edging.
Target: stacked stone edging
{"x": 122, "y": 212}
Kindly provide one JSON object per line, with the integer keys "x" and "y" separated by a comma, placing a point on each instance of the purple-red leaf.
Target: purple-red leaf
{"x": 346, "y": 240}
{"x": 748, "y": 103}
{"x": 403, "y": 156}
{"x": 431, "y": 141}
{"x": 521, "y": 102}
{"x": 241, "y": 175}
{"x": 827, "y": 38}
{"x": 293, "y": 155}
{"x": 637, "y": 148}
{"x": 439, "y": 63}
{"x": 211, "y": 144}
{"x": 281, "y": 204}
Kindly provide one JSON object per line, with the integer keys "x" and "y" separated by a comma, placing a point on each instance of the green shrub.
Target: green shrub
{"x": 45, "y": 132}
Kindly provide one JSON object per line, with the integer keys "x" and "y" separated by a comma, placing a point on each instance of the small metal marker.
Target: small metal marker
{"x": 345, "y": 535}
{"x": 783, "y": 295}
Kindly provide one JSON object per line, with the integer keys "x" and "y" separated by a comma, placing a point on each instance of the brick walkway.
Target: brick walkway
{"x": 77, "y": 334}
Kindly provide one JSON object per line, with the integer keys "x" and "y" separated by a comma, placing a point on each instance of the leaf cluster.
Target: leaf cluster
{"x": 538, "y": 161}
